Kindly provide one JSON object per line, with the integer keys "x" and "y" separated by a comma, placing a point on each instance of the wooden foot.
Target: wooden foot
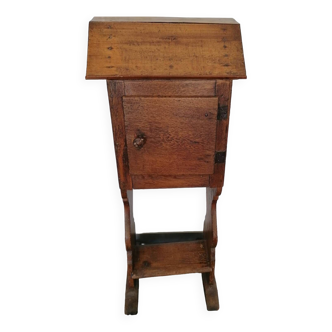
{"x": 210, "y": 291}
{"x": 131, "y": 301}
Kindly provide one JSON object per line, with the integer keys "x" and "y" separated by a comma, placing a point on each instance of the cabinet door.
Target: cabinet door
{"x": 170, "y": 135}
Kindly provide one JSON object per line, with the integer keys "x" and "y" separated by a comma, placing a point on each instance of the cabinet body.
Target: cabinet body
{"x": 169, "y": 84}
{"x": 181, "y": 126}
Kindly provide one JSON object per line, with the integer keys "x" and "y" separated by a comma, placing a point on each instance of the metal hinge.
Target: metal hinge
{"x": 220, "y": 157}
{"x": 222, "y": 112}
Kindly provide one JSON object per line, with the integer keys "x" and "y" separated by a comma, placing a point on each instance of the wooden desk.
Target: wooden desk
{"x": 169, "y": 83}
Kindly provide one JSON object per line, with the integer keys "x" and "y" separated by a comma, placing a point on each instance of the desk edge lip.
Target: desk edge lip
{"x": 123, "y": 78}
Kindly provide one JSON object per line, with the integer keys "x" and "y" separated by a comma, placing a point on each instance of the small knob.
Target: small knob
{"x": 139, "y": 142}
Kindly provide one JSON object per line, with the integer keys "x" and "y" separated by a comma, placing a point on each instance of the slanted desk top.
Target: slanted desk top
{"x": 143, "y": 47}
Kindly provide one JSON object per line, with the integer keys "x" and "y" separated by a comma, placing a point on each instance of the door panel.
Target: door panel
{"x": 169, "y": 136}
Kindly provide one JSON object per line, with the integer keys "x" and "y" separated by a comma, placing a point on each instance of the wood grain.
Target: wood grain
{"x": 170, "y": 258}
{"x": 223, "y": 91}
{"x": 171, "y": 88}
{"x": 180, "y": 135}
{"x": 131, "y": 300}
{"x": 115, "y": 92}
{"x": 210, "y": 292}
{"x": 210, "y": 229}
{"x": 131, "y": 50}
{"x": 210, "y": 223}
{"x": 129, "y": 234}
{"x": 169, "y": 181}
{"x": 132, "y": 227}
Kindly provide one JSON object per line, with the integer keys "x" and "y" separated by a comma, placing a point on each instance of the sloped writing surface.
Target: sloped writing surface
{"x": 164, "y": 50}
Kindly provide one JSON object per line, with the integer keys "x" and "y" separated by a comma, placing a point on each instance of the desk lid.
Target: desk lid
{"x": 160, "y": 47}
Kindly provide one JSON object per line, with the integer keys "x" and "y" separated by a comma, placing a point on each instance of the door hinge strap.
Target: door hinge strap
{"x": 222, "y": 112}
{"x": 220, "y": 157}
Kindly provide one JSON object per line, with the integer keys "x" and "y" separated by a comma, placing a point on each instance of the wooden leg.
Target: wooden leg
{"x": 210, "y": 230}
{"x": 210, "y": 223}
{"x": 131, "y": 301}
{"x": 210, "y": 293}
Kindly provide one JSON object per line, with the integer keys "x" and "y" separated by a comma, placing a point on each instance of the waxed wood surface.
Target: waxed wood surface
{"x": 210, "y": 292}
{"x": 210, "y": 222}
{"x": 223, "y": 91}
{"x": 164, "y": 50}
{"x": 171, "y": 88}
{"x": 170, "y": 258}
{"x": 130, "y": 233}
{"x": 131, "y": 297}
{"x": 210, "y": 229}
{"x": 180, "y": 135}
{"x": 115, "y": 91}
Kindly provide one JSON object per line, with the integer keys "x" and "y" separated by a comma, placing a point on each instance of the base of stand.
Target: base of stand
{"x": 131, "y": 301}
{"x": 211, "y": 296}
{"x": 163, "y": 254}
{"x": 210, "y": 293}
